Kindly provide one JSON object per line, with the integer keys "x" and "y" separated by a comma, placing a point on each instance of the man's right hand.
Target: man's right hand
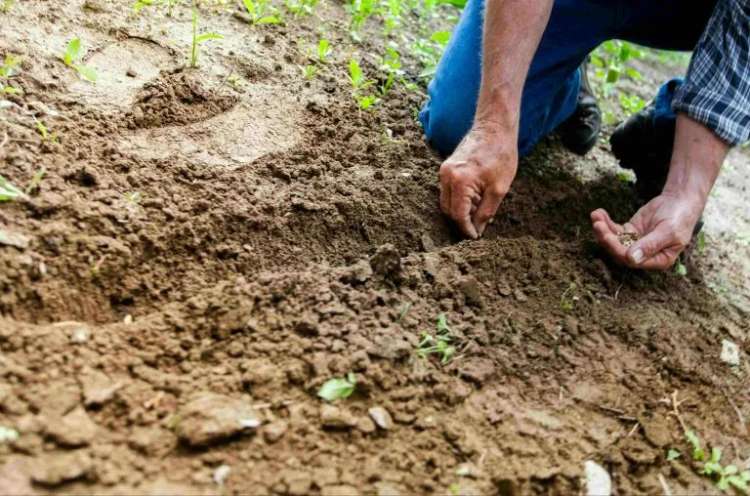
{"x": 476, "y": 177}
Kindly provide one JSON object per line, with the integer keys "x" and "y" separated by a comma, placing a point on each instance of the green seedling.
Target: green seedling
{"x": 429, "y": 51}
{"x": 725, "y": 477}
{"x": 72, "y": 58}
{"x": 234, "y": 81}
{"x": 8, "y": 69}
{"x": 631, "y": 104}
{"x": 45, "y": 132}
{"x": 391, "y": 65}
{"x": 569, "y": 298}
{"x": 36, "y": 181}
{"x": 360, "y": 11}
{"x": 391, "y": 16}
{"x": 338, "y": 388}
{"x": 309, "y": 71}
{"x": 324, "y": 50}
{"x": 367, "y": 101}
{"x": 133, "y": 197}
{"x": 359, "y": 84}
{"x": 261, "y": 12}
{"x": 673, "y": 454}
{"x": 198, "y": 39}
{"x": 701, "y": 242}
{"x": 438, "y": 343}
{"x": 9, "y": 192}
{"x": 301, "y": 7}
{"x": 680, "y": 269}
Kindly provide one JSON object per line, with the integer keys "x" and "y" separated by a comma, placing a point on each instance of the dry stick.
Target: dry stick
{"x": 635, "y": 428}
{"x": 665, "y": 486}
{"x": 675, "y": 406}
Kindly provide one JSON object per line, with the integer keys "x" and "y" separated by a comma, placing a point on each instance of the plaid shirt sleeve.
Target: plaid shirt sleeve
{"x": 716, "y": 91}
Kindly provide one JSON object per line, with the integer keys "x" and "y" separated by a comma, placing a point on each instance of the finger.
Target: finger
{"x": 610, "y": 241}
{"x": 664, "y": 260}
{"x": 462, "y": 202}
{"x": 603, "y": 215}
{"x": 651, "y": 246}
{"x": 491, "y": 200}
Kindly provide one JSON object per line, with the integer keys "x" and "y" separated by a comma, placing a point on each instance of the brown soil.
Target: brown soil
{"x": 280, "y": 237}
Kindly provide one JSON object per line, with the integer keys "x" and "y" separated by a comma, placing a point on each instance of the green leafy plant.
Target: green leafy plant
{"x": 72, "y": 58}
{"x": 262, "y": 12}
{"x": 725, "y": 477}
{"x": 8, "y": 191}
{"x": 390, "y": 64}
{"x": 359, "y": 85}
{"x": 391, "y": 15}
{"x": 198, "y": 39}
{"x": 429, "y": 51}
{"x": 680, "y": 269}
{"x": 309, "y": 71}
{"x": 438, "y": 343}
{"x": 673, "y": 454}
{"x": 301, "y": 7}
{"x": 360, "y": 11}
{"x": 324, "y": 50}
{"x": 8, "y": 69}
{"x": 338, "y": 388}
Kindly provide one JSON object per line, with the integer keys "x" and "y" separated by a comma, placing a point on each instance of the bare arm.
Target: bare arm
{"x": 477, "y": 176}
{"x": 666, "y": 223}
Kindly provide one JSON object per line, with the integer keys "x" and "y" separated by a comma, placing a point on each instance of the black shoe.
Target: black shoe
{"x": 580, "y": 131}
{"x": 644, "y": 145}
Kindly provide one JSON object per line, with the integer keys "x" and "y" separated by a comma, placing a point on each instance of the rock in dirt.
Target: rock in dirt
{"x": 14, "y": 477}
{"x": 656, "y": 430}
{"x": 360, "y": 272}
{"x": 73, "y": 429}
{"x": 598, "y": 482}
{"x": 469, "y": 286}
{"x": 98, "y": 388}
{"x": 386, "y": 261}
{"x": 55, "y": 468}
{"x": 297, "y": 483}
{"x": 275, "y": 431}
{"x": 381, "y": 417}
{"x": 221, "y": 473}
{"x": 730, "y": 353}
{"x": 10, "y": 238}
{"x": 334, "y": 417}
{"x": 477, "y": 370}
{"x": 366, "y": 425}
{"x": 210, "y": 417}
{"x": 427, "y": 243}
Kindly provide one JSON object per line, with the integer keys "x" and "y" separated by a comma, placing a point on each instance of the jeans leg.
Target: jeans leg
{"x": 550, "y": 93}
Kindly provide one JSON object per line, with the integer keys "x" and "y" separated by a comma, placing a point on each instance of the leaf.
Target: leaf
{"x": 442, "y": 324}
{"x": 8, "y": 192}
{"x": 336, "y": 389}
{"x": 695, "y": 442}
{"x": 208, "y": 36}
{"x": 324, "y": 49}
{"x": 715, "y": 455}
{"x": 739, "y": 482}
{"x": 673, "y": 454}
{"x": 269, "y": 19}
{"x": 680, "y": 269}
{"x": 72, "y": 51}
{"x": 250, "y": 7}
{"x": 440, "y": 37}
{"x": 355, "y": 73}
{"x": 86, "y": 72}
{"x": 613, "y": 75}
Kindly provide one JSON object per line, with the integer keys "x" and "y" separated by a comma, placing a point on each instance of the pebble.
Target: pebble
{"x": 10, "y": 238}
{"x": 469, "y": 286}
{"x": 381, "y": 417}
{"x": 366, "y": 425}
{"x": 730, "y": 353}
{"x": 598, "y": 482}
{"x": 211, "y": 417}
{"x": 55, "y": 468}
{"x": 335, "y": 418}
{"x": 74, "y": 429}
{"x": 221, "y": 473}
{"x": 98, "y": 388}
{"x": 275, "y": 431}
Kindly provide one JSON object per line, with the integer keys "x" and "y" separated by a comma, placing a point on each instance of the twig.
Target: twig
{"x": 676, "y": 412}
{"x": 635, "y": 428}
{"x": 664, "y": 486}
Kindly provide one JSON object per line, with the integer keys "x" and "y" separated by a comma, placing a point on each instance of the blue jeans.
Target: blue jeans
{"x": 575, "y": 28}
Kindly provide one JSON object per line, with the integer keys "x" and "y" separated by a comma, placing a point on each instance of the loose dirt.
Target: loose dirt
{"x": 172, "y": 341}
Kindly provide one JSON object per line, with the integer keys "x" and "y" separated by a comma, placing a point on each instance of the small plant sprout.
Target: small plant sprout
{"x": 36, "y": 180}
{"x": 569, "y": 298}
{"x": 391, "y": 65}
{"x": 725, "y": 477}
{"x": 261, "y": 12}
{"x": 324, "y": 50}
{"x": 45, "y": 132}
{"x": 301, "y": 7}
{"x": 133, "y": 197}
{"x": 360, "y": 10}
{"x": 429, "y": 51}
{"x": 309, "y": 71}
{"x": 9, "y": 192}
{"x": 72, "y": 58}
{"x": 673, "y": 454}
{"x": 338, "y": 388}
{"x": 359, "y": 84}
{"x": 198, "y": 39}
{"x": 8, "y": 69}
{"x": 680, "y": 269}
{"x": 438, "y": 343}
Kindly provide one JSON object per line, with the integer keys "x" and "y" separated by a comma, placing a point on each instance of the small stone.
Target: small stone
{"x": 128, "y": 319}
{"x": 275, "y": 431}
{"x": 55, "y": 468}
{"x": 469, "y": 286}
{"x": 730, "y": 353}
{"x": 10, "y": 238}
{"x": 381, "y": 417}
{"x": 598, "y": 481}
{"x": 427, "y": 243}
{"x": 386, "y": 261}
{"x": 210, "y": 417}
{"x": 72, "y": 430}
{"x": 77, "y": 332}
{"x": 335, "y": 418}
{"x": 520, "y": 296}
{"x": 131, "y": 72}
{"x": 366, "y": 425}
{"x": 221, "y": 473}
{"x": 477, "y": 370}
{"x": 98, "y": 388}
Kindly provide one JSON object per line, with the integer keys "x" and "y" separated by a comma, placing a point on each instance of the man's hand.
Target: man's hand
{"x": 664, "y": 227}
{"x": 476, "y": 178}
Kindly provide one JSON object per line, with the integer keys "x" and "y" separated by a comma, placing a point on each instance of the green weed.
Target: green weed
{"x": 8, "y": 191}
{"x": 309, "y": 71}
{"x": 45, "y": 133}
{"x": 360, "y": 11}
{"x": 133, "y": 197}
{"x": 301, "y": 7}
{"x": 198, "y": 39}
{"x": 262, "y": 12}
{"x": 429, "y": 51}
{"x": 725, "y": 477}
{"x": 8, "y": 69}
{"x": 72, "y": 58}
{"x": 391, "y": 65}
{"x": 36, "y": 180}
{"x": 438, "y": 343}
{"x": 359, "y": 84}
{"x": 338, "y": 388}
{"x": 324, "y": 50}
{"x": 680, "y": 269}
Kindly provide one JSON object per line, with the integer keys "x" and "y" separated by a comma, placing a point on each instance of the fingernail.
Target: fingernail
{"x": 637, "y": 256}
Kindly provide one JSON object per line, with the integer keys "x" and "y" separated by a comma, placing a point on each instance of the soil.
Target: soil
{"x": 202, "y": 255}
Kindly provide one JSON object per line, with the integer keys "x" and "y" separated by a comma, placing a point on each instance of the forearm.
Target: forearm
{"x": 512, "y": 31}
{"x": 696, "y": 159}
